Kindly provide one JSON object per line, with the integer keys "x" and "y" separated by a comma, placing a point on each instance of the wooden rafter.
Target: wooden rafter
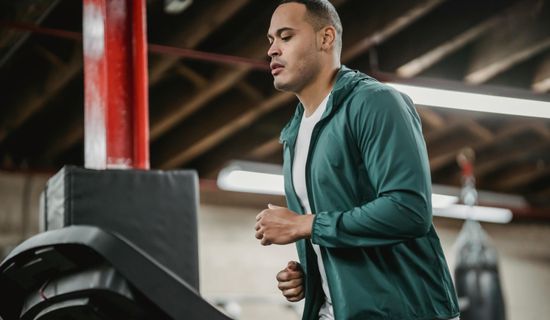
{"x": 521, "y": 36}
{"x": 193, "y": 32}
{"x": 35, "y": 100}
{"x": 541, "y": 81}
{"x": 218, "y": 14}
{"x": 387, "y": 27}
{"x": 420, "y": 63}
{"x": 537, "y": 149}
{"x": 443, "y": 160}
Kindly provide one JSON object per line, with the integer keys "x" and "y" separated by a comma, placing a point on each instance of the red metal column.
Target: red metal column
{"x": 115, "y": 80}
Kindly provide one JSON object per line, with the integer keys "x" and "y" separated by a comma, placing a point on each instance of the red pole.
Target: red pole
{"x": 141, "y": 82}
{"x": 115, "y": 84}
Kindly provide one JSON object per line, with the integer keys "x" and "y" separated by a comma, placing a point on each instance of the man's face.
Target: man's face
{"x": 293, "y": 49}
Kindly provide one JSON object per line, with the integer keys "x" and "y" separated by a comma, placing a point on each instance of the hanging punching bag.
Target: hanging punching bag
{"x": 477, "y": 278}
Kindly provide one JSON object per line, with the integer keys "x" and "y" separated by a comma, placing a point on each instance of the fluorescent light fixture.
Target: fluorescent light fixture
{"x": 254, "y": 177}
{"x": 487, "y": 214}
{"x": 474, "y": 101}
{"x": 176, "y": 6}
{"x": 442, "y": 200}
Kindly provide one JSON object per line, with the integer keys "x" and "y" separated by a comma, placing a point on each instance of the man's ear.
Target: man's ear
{"x": 328, "y": 37}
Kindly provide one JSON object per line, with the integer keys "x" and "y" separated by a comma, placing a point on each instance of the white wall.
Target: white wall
{"x": 19, "y": 194}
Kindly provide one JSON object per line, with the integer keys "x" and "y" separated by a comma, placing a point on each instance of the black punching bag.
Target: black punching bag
{"x": 476, "y": 275}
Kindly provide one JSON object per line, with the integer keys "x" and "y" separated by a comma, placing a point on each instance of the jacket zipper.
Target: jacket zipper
{"x": 312, "y": 143}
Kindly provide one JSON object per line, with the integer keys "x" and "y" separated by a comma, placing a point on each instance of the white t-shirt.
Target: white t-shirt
{"x": 299, "y": 180}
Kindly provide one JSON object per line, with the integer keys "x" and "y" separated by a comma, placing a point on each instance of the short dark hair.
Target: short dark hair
{"x": 322, "y": 13}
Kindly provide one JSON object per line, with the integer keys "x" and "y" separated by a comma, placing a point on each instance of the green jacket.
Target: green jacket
{"x": 368, "y": 181}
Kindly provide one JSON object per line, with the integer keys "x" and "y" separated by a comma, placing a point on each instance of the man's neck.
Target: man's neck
{"x": 312, "y": 95}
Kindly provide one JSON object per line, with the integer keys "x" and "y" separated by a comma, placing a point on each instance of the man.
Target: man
{"x": 357, "y": 184}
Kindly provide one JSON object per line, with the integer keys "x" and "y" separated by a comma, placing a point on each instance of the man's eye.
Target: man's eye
{"x": 286, "y": 38}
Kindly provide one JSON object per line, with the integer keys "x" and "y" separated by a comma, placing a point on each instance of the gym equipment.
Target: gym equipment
{"x": 117, "y": 244}
{"x": 477, "y": 278}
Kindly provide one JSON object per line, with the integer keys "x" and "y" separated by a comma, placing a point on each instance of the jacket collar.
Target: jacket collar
{"x": 346, "y": 80}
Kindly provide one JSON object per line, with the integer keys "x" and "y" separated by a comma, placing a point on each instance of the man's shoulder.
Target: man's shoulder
{"x": 371, "y": 99}
{"x": 372, "y": 88}
{"x": 370, "y": 93}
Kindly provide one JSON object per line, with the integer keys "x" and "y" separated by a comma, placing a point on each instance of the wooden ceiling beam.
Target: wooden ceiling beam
{"x": 536, "y": 150}
{"x": 33, "y": 101}
{"x": 193, "y": 32}
{"x": 201, "y": 81}
{"x": 386, "y": 27}
{"x": 456, "y": 136}
{"x": 441, "y": 50}
{"x": 541, "y": 81}
{"x": 266, "y": 149}
{"x": 457, "y": 23}
{"x": 446, "y": 159}
{"x": 521, "y": 178}
{"x": 382, "y": 29}
{"x": 12, "y": 39}
{"x": 452, "y": 44}
{"x": 522, "y": 34}
{"x": 430, "y": 118}
{"x": 184, "y": 155}
{"x": 196, "y": 78}
{"x": 181, "y": 108}
{"x": 262, "y": 133}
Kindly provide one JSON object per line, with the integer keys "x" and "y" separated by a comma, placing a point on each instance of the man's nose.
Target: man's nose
{"x": 273, "y": 50}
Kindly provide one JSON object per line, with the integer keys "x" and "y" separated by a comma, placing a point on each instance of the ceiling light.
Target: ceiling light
{"x": 255, "y": 177}
{"x": 176, "y": 6}
{"x": 487, "y": 214}
{"x": 442, "y": 200}
{"x": 475, "y": 101}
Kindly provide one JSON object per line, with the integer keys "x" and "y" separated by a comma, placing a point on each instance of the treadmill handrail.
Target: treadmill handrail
{"x": 115, "y": 249}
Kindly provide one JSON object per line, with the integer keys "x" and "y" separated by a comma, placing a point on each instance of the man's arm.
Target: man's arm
{"x": 388, "y": 134}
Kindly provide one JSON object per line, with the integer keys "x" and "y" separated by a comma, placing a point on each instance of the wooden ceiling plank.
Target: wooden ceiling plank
{"x": 392, "y": 25}
{"x": 431, "y": 118}
{"x": 477, "y": 129}
{"x": 201, "y": 81}
{"x": 451, "y": 45}
{"x": 34, "y": 101}
{"x": 222, "y": 133}
{"x": 520, "y": 36}
{"x": 266, "y": 149}
{"x": 541, "y": 81}
{"x": 436, "y": 163}
{"x": 488, "y": 167}
{"x": 197, "y": 79}
{"x": 226, "y": 78}
{"x": 13, "y": 39}
{"x": 182, "y": 108}
{"x": 389, "y": 27}
{"x": 517, "y": 181}
{"x": 444, "y": 49}
{"x": 193, "y": 32}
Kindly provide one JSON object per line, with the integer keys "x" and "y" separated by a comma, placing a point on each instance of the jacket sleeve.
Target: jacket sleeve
{"x": 388, "y": 134}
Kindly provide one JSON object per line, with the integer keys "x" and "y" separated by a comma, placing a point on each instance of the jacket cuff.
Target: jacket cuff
{"x": 321, "y": 221}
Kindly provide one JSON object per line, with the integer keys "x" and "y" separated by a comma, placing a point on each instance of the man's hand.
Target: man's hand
{"x": 291, "y": 282}
{"x": 278, "y": 225}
